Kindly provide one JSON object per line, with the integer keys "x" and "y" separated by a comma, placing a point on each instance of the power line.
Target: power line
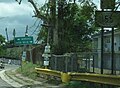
{"x": 36, "y": 27}
{"x": 33, "y": 24}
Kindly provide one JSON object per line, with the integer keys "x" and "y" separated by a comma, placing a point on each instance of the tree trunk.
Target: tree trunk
{"x": 54, "y": 23}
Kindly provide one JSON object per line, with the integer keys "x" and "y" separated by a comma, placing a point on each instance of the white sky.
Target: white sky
{"x": 13, "y": 15}
{"x": 13, "y": 9}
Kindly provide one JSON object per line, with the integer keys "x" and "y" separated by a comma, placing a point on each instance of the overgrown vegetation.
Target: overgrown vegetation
{"x": 28, "y": 69}
{"x": 76, "y": 84}
{"x": 2, "y": 46}
{"x": 80, "y": 84}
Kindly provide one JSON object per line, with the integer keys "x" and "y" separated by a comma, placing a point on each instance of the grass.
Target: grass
{"x": 75, "y": 84}
{"x": 28, "y": 69}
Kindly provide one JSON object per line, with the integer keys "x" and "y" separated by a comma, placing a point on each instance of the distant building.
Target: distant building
{"x": 107, "y": 49}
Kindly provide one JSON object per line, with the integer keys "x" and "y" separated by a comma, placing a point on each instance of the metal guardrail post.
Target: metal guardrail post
{"x": 65, "y": 77}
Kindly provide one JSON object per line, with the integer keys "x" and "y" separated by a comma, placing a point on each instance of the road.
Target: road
{"x": 4, "y": 82}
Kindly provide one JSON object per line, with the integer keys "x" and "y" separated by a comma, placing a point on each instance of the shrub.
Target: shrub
{"x": 28, "y": 69}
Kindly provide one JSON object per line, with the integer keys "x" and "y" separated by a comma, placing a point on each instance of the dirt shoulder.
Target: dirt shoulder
{"x": 41, "y": 82}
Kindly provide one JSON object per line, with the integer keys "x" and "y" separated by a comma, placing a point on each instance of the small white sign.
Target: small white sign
{"x": 46, "y": 63}
{"x": 24, "y": 56}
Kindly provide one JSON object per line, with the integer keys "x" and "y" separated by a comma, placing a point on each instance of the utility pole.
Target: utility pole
{"x": 14, "y": 33}
{"x": 25, "y": 46}
{"x": 26, "y": 33}
{"x": 30, "y": 49}
{"x": 7, "y": 35}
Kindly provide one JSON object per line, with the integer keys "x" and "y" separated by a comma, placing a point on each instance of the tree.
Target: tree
{"x": 76, "y": 25}
{"x": 42, "y": 35}
{"x": 70, "y": 26}
{"x": 47, "y": 13}
{"x": 2, "y": 39}
{"x": 2, "y": 48}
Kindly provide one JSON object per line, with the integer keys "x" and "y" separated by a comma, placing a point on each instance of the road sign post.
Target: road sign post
{"x": 46, "y": 55}
{"x": 23, "y": 40}
{"x": 27, "y": 40}
{"x": 107, "y": 18}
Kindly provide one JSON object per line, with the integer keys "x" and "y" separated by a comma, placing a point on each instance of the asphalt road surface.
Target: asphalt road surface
{"x": 4, "y": 84}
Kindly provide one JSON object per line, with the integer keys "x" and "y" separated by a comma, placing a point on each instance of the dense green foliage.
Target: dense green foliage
{"x": 78, "y": 26}
{"x": 2, "y": 44}
{"x": 75, "y": 84}
{"x": 70, "y": 25}
{"x": 2, "y": 39}
{"x": 42, "y": 35}
{"x": 75, "y": 26}
{"x": 80, "y": 84}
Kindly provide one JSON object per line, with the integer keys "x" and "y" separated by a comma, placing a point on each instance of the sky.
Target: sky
{"x": 15, "y": 16}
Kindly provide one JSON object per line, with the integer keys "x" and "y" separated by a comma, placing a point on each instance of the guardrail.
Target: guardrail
{"x": 48, "y": 72}
{"x": 98, "y": 78}
{"x": 64, "y": 76}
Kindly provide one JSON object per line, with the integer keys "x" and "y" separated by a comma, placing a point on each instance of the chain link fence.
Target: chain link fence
{"x": 72, "y": 62}
{"x": 64, "y": 63}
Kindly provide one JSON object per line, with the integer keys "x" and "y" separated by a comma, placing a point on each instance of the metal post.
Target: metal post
{"x": 89, "y": 63}
{"x": 31, "y": 60}
{"x": 86, "y": 64}
{"x": 20, "y": 59}
{"x": 14, "y": 35}
{"x": 102, "y": 48}
{"x": 66, "y": 64}
{"x": 21, "y": 64}
{"x": 7, "y": 35}
{"x": 55, "y": 63}
{"x": 93, "y": 64}
{"x": 112, "y": 59}
{"x": 72, "y": 65}
{"x": 65, "y": 77}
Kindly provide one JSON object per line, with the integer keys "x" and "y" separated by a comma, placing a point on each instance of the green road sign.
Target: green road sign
{"x": 107, "y": 18}
{"x": 23, "y": 40}
{"x": 107, "y": 4}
